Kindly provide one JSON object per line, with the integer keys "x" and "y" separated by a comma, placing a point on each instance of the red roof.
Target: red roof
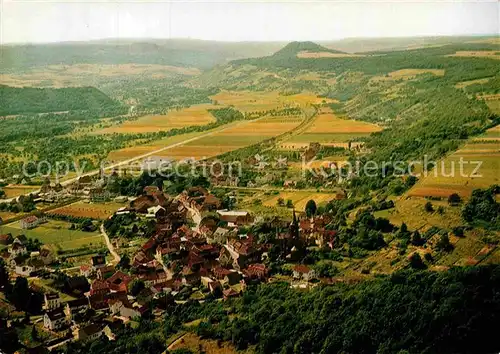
{"x": 300, "y": 268}
{"x": 30, "y": 218}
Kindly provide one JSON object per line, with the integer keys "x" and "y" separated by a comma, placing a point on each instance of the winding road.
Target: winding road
{"x": 111, "y": 249}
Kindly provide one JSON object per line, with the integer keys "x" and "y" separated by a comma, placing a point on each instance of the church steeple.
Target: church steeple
{"x": 294, "y": 226}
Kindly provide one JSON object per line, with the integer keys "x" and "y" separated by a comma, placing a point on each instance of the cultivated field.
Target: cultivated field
{"x": 57, "y": 234}
{"x": 329, "y": 128}
{"x": 316, "y": 55}
{"x": 482, "y": 152}
{"x": 490, "y": 54}
{"x": 12, "y": 191}
{"x": 299, "y": 198}
{"x": 472, "y": 82}
{"x": 192, "y": 116}
{"x": 259, "y": 101}
{"x": 235, "y": 137}
{"x": 80, "y": 74}
{"x": 88, "y": 210}
{"x": 407, "y": 74}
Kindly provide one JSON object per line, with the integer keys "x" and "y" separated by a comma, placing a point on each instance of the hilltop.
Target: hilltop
{"x": 295, "y": 48}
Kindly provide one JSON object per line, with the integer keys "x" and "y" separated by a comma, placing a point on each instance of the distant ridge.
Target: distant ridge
{"x": 293, "y": 48}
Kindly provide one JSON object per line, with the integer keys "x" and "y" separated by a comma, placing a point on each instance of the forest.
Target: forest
{"x": 411, "y": 311}
{"x": 17, "y": 100}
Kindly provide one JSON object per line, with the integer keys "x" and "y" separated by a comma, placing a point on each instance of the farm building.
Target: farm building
{"x": 31, "y": 222}
{"x": 235, "y": 217}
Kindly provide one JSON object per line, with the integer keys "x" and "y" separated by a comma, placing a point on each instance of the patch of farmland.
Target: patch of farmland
{"x": 299, "y": 198}
{"x": 463, "y": 84}
{"x": 232, "y": 138}
{"x": 315, "y": 55}
{"x": 12, "y": 191}
{"x": 481, "y": 153}
{"x": 192, "y": 116}
{"x": 489, "y": 54}
{"x": 89, "y": 74}
{"x": 407, "y": 74}
{"x": 411, "y": 211}
{"x": 57, "y": 234}
{"x": 138, "y": 150}
{"x": 88, "y": 210}
{"x": 328, "y": 128}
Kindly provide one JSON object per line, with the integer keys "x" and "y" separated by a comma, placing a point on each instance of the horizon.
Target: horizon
{"x": 26, "y": 22}
{"x": 319, "y": 41}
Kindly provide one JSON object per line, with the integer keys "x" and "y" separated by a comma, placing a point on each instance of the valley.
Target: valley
{"x": 234, "y": 197}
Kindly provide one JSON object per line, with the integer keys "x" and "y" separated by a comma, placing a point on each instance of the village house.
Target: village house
{"x": 242, "y": 252}
{"x": 74, "y": 307}
{"x": 124, "y": 309}
{"x": 31, "y": 222}
{"x": 156, "y": 212}
{"x": 51, "y": 301}
{"x": 99, "y": 286}
{"x": 98, "y": 261}
{"x": 54, "y": 320}
{"x": 235, "y": 217}
{"x": 6, "y": 239}
{"x": 17, "y": 249}
{"x": 256, "y": 272}
{"x": 229, "y": 293}
{"x": 119, "y": 282}
{"x": 303, "y": 272}
{"x": 105, "y": 272}
{"x": 89, "y": 332}
{"x": 86, "y": 270}
{"x": 46, "y": 256}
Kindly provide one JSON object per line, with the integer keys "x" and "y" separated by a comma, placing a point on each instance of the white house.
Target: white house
{"x": 31, "y": 221}
{"x": 17, "y": 249}
{"x": 301, "y": 271}
{"x": 52, "y": 301}
{"x": 54, "y": 319}
{"x": 89, "y": 332}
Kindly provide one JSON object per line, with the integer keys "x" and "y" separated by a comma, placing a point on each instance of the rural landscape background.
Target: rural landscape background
{"x": 202, "y": 196}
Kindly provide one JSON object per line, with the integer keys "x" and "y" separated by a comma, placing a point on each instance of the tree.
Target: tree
{"x": 136, "y": 286}
{"x": 4, "y": 274}
{"x": 454, "y": 199}
{"x": 444, "y": 242}
{"x": 289, "y": 203}
{"x": 20, "y": 293}
{"x": 124, "y": 262}
{"x": 416, "y": 261}
{"x": 428, "y": 207}
{"x": 311, "y": 208}
{"x": 416, "y": 239}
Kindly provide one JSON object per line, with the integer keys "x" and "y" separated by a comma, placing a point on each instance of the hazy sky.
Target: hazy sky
{"x": 52, "y": 21}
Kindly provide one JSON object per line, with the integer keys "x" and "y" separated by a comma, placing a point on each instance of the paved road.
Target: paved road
{"x": 111, "y": 249}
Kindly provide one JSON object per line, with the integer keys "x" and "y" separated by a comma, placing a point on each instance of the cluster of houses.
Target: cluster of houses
{"x": 20, "y": 260}
{"x": 216, "y": 257}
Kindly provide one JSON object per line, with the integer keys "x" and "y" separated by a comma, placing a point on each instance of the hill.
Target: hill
{"x": 176, "y": 52}
{"x": 295, "y": 48}
{"x": 42, "y": 100}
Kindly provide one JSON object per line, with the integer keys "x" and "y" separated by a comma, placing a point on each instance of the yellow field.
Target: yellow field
{"x": 315, "y": 55}
{"x": 192, "y": 116}
{"x": 483, "y": 151}
{"x": 472, "y": 82}
{"x": 407, "y": 74}
{"x": 12, "y": 191}
{"x": 250, "y": 101}
{"x": 72, "y": 75}
{"x": 330, "y": 123}
{"x": 90, "y": 210}
{"x": 299, "y": 199}
{"x": 490, "y": 54}
{"x": 232, "y": 138}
